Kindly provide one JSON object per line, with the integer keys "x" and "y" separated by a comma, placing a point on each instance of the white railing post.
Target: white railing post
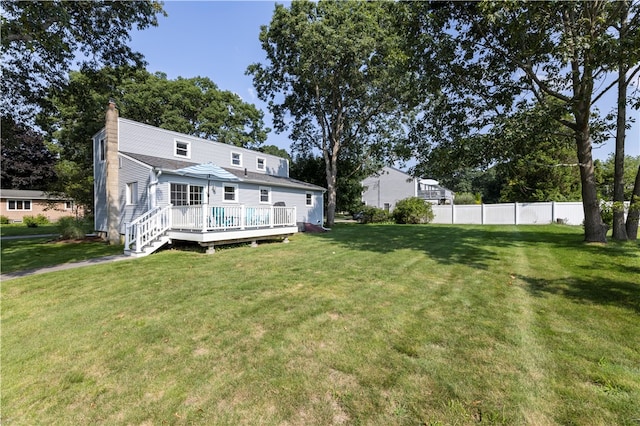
{"x": 138, "y": 239}
{"x": 271, "y": 216}
{"x": 204, "y": 217}
{"x": 243, "y": 217}
{"x": 127, "y": 237}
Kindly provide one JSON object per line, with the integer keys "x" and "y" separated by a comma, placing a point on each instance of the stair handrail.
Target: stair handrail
{"x": 147, "y": 227}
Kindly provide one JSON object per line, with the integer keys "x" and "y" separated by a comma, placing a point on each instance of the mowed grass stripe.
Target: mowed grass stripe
{"x": 365, "y": 324}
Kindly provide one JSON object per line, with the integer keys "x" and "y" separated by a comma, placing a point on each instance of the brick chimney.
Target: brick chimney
{"x": 113, "y": 204}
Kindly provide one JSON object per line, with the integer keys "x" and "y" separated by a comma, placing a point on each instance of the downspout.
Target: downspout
{"x": 153, "y": 187}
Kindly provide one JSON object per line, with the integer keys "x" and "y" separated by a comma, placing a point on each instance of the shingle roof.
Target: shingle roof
{"x": 28, "y": 194}
{"x": 160, "y": 163}
{"x": 251, "y": 177}
{"x": 273, "y": 180}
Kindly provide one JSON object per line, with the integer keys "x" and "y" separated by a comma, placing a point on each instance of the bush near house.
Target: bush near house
{"x": 370, "y": 214}
{"x": 35, "y": 221}
{"x": 413, "y": 210}
{"x": 72, "y": 228}
{"x": 4, "y": 220}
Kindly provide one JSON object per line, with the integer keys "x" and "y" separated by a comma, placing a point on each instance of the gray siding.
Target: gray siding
{"x": 147, "y": 140}
{"x": 100, "y": 186}
{"x": 390, "y": 186}
{"x": 249, "y": 195}
{"x": 133, "y": 171}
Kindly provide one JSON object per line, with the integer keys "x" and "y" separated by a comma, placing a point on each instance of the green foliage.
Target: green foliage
{"x": 371, "y": 214}
{"x": 274, "y": 150}
{"x": 71, "y": 228}
{"x": 42, "y": 41}
{"x": 335, "y": 76}
{"x": 35, "y": 221}
{"x": 464, "y": 198}
{"x": 605, "y": 176}
{"x": 27, "y": 163}
{"x": 413, "y": 210}
{"x": 4, "y": 220}
{"x": 478, "y": 58}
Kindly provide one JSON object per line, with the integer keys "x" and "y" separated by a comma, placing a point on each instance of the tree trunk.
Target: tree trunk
{"x": 331, "y": 170}
{"x": 594, "y": 229}
{"x": 619, "y": 229}
{"x": 634, "y": 210}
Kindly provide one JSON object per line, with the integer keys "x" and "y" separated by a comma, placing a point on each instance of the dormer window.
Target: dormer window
{"x": 236, "y": 159}
{"x": 182, "y": 149}
{"x": 261, "y": 164}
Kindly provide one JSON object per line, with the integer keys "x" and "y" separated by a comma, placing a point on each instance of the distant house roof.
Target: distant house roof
{"x": 225, "y": 174}
{"x": 28, "y": 194}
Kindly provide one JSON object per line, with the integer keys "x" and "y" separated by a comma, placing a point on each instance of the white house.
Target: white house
{"x": 390, "y": 185}
{"x": 154, "y": 185}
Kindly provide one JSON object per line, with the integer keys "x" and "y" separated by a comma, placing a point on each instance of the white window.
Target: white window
{"x": 265, "y": 195}
{"x": 261, "y": 163}
{"x": 23, "y": 205}
{"x": 68, "y": 205}
{"x": 236, "y": 159}
{"x": 182, "y": 149}
{"x": 132, "y": 193}
{"x": 230, "y": 193}
{"x": 179, "y": 194}
{"x": 309, "y": 199}
{"x": 195, "y": 195}
{"x": 183, "y": 194}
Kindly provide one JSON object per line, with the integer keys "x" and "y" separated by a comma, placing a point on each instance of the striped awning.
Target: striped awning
{"x": 207, "y": 170}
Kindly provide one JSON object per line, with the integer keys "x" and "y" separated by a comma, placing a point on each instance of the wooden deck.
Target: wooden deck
{"x": 207, "y": 225}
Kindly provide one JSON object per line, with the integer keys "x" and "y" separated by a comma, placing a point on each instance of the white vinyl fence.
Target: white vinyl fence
{"x": 510, "y": 213}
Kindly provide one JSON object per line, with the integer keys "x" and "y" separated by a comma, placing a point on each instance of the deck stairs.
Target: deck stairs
{"x": 148, "y": 232}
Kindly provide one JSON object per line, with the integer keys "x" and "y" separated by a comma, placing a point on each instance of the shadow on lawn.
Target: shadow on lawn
{"x": 602, "y": 291}
{"x": 473, "y": 246}
{"x": 479, "y": 246}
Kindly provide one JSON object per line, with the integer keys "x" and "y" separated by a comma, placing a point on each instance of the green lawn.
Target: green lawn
{"x": 15, "y": 229}
{"x": 32, "y": 253}
{"x": 375, "y": 324}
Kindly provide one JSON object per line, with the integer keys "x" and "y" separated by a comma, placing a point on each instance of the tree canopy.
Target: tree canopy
{"x": 43, "y": 40}
{"x": 27, "y": 163}
{"x": 335, "y": 78}
{"x": 480, "y": 60}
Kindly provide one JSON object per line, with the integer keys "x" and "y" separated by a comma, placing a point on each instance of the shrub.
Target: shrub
{"x": 372, "y": 214}
{"x": 465, "y": 198}
{"x": 71, "y": 228}
{"x": 30, "y": 221}
{"x": 4, "y": 220}
{"x": 413, "y": 210}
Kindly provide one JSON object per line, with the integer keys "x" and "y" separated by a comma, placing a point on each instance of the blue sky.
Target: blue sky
{"x": 219, "y": 39}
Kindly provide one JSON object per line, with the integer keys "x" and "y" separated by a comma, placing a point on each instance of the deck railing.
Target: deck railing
{"x": 219, "y": 218}
{"x": 147, "y": 228}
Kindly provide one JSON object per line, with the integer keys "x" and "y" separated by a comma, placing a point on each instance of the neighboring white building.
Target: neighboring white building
{"x": 153, "y": 185}
{"x": 390, "y": 185}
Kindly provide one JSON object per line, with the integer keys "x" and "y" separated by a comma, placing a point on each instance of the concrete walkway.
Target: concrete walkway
{"x": 62, "y": 267}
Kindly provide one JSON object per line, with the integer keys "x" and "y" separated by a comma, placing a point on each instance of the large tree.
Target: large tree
{"x": 27, "y": 163}
{"x": 627, "y": 53}
{"x": 334, "y": 76}
{"x": 478, "y": 57}
{"x": 43, "y": 40}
